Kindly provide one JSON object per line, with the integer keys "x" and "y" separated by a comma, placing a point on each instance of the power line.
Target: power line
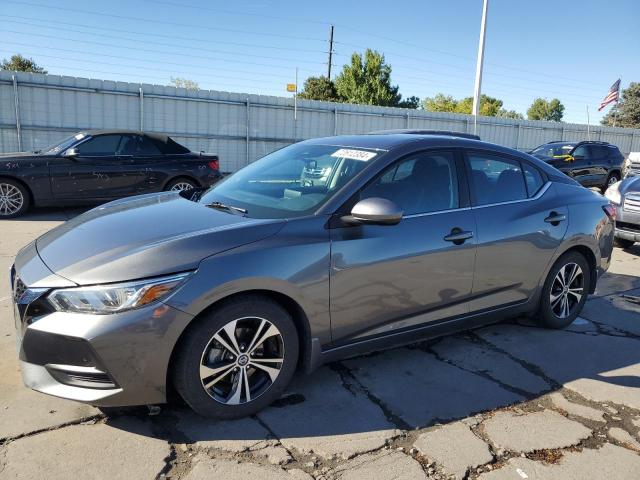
{"x": 57, "y": 37}
{"x": 75, "y": 51}
{"x": 163, "y": 22}
{"x": 164, "y": 70}
{"x": 56, "y": 25}
{"x": 413, "y": 58}
{"x": 231, "y": 12}
{"x": 160, "y": 82}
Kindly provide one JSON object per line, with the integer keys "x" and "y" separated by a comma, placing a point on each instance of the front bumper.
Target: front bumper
{"x": 104, "y": 360}
{"x": 627, "y": 224}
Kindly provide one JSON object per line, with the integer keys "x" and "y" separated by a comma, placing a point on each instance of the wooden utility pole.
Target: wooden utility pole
{"x": 330, "y": 51}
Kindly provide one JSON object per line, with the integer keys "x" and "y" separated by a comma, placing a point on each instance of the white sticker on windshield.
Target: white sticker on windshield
{"x": 79, "y": 136}
{"x": 351, "y": 154}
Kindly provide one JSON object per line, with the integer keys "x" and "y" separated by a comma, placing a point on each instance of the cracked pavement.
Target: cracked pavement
{"x": 508, "y": 401}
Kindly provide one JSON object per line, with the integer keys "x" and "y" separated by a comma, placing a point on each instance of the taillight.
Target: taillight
{"x": 610, "y": 210}
{"x": 214, "y": 165}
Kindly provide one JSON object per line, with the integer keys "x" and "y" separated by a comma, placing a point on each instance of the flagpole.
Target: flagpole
{"x": 588, "y": 125}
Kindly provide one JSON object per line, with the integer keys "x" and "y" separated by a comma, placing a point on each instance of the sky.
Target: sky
{"x": 569, "y": 49}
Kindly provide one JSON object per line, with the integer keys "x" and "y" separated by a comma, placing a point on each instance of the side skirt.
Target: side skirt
{"x": 321, "y": 356}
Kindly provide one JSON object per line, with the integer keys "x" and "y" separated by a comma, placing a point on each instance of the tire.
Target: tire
{"x": 212, "y": 379}
{"x": 14, "y": 198}
{"x": 180, "y": 184}
{"x": 611, "y": 179}
{"x": 623, "y": 242}
{"x": 552, "y": 314}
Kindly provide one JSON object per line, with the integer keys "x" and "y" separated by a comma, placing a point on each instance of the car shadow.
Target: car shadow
{"x": 363, "y": 402}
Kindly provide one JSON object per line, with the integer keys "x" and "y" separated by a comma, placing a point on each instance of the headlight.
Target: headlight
{"x": 103, "y": 299}
{"x": 613, "y": 193}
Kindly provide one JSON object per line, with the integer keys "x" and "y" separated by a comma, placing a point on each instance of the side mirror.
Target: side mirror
{"x": 374, "y": 211}
{"x": 71, "y": 153}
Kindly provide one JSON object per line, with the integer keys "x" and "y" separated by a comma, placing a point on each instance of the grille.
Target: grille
{"x": 628, "y": 226}
{"x": 632, "y": 202}
{"x": 85, "y": 377}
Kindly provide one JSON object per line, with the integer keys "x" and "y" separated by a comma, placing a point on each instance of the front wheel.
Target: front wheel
{"x": 237, "y": 359}
{"x": 565, "y": 291}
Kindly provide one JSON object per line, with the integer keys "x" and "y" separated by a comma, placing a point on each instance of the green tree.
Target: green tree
{"x": 410, "y": 102}
{"x": 489, "y": 106}
{"x": 180, "y": 82}
{"x": 440, "y": 103}
{"x": 543, "y": 109}
{"x": 18, "y": 63}
{"x": 319, "y": 88}
{"x": 627, "y": 112}
{"x": 367, "y": 81}
{"x": 504, "y": 113}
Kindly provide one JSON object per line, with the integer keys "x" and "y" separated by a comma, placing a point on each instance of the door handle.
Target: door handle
{"x": 458, "y": 236}
{"x": 555, "y": 218}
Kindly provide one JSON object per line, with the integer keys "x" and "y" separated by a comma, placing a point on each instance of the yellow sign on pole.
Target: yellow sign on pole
{"x": 291, "y": 87}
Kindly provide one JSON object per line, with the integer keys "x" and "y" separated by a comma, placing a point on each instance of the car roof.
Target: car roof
{"x": 582, "y": 142}
{"x": 95, "y": 132}
{"x": 388, "y": 142}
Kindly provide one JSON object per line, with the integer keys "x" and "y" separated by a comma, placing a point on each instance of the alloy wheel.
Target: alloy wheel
{"x": 180, "y": 186}
{"x": 11, "y": 199}
{"x": 567, "y": 290}
{"x": 612, "y": 180}
{"x": 242, "y": 360}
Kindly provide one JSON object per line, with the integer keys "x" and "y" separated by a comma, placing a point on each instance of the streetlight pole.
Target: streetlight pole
{"x": 478, "y": 84}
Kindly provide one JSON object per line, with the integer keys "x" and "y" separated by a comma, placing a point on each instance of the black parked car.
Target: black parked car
{"x": 592, "y": 164}
{"x": 97, "y": 166}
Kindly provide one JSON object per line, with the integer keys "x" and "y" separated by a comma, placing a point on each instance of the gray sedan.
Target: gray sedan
{"x": 221, "y": 295}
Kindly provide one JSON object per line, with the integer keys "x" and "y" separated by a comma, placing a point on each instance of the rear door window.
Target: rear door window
{"x": 583, "y": 151}
{"x": 496, "y": 179}
{"x": 532, "y": 178}
{"x": 146, "y": 147}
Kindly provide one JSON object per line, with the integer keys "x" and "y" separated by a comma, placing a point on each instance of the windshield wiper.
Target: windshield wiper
{"x": 222, "y": 206}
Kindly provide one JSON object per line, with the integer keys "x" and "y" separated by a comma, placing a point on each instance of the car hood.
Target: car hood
{"x": 145, "y": 236}
{"x": 22, "y": 157}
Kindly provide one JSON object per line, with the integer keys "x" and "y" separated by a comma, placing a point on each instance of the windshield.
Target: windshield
{"x": 553, "y": 150}
{"x": 63, "y": 145}
{"x": 291, "y": 182}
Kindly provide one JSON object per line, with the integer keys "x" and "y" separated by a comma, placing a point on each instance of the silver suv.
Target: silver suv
{"x": 223, "y": 294}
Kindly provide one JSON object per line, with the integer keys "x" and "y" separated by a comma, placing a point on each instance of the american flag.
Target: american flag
{"x": 612, "y": 96}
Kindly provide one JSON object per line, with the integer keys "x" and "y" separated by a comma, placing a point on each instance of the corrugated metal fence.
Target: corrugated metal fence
{"x": 37, "y": 110}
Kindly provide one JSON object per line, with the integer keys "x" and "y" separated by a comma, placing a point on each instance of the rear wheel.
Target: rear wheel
{"x": 565, "y": 291}
{"x": 613, "y": 178}
{"x": 237, "y": 359}
{"x": 180, "y": 184}
{"x": 14, "y": 198}
{"x": 623, "y": 242}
